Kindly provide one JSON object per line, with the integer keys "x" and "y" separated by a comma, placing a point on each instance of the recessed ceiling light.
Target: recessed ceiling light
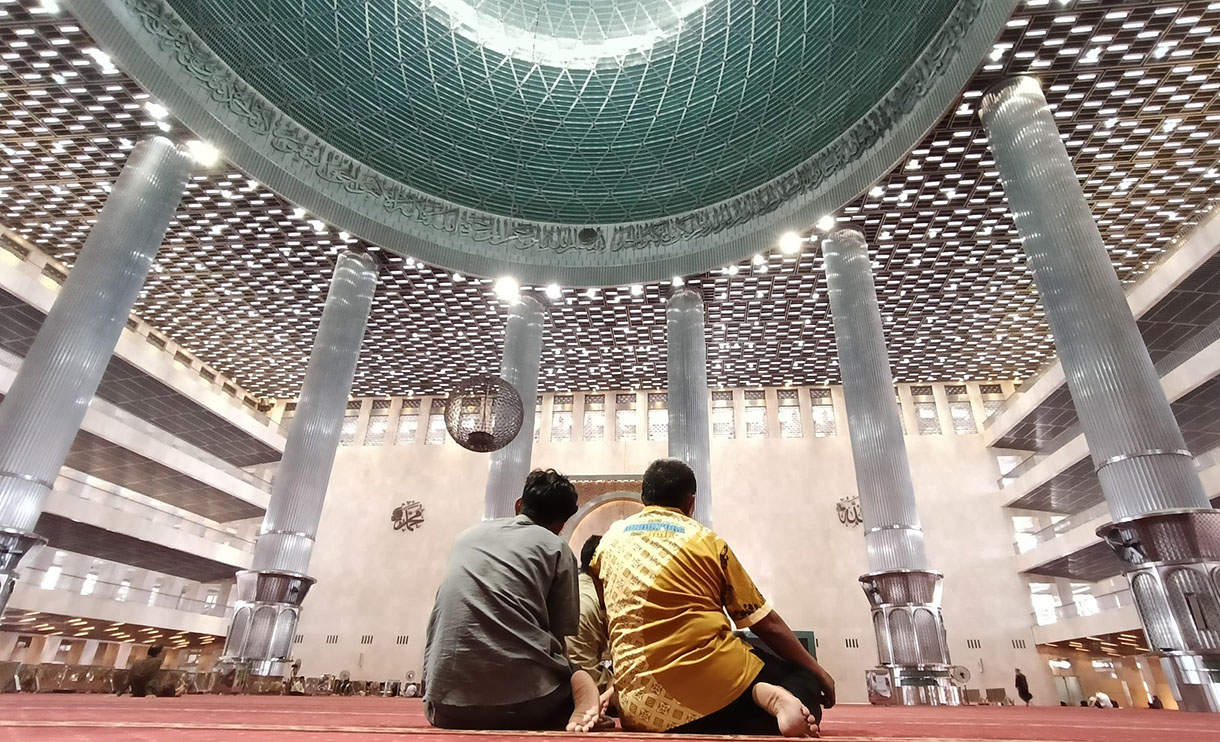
{"x": 826, "y": 223}
{"x": 203, "y": 153}
{"x": 553, "y": 291}
{"x": 790, "y": 243}
{"x": 507, "y": 288}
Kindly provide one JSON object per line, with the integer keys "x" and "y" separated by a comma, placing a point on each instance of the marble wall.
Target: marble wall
{"x": 773, "y": 500}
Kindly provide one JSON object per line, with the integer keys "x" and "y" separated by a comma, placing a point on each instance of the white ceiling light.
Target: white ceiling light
{"x": 203, "y": 153}
{"x": 636, "y": 289}
{"x": 790, "y": 242}
{"x": 826, "y": 223}
{"x": 553, "y": 291}
{"x": 156, "y": 110}
{"x": 507, "y": 288}
{"x": 677, "y": 282}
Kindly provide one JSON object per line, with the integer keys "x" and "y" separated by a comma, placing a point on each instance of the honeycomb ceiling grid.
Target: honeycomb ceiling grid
{"x": 243, "y": 273}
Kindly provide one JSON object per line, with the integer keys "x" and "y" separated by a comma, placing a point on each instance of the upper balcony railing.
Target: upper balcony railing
{"x": 114, "y": 497}
{"x": 120, "y": 592}
{"x": 1168, "y": 363}
{"x": 13, "y": 363}
{"x": 1027, "y": 540}
{"x": 1087, "y": 605}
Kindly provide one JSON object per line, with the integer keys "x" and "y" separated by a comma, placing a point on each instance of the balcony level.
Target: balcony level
{"x": 148, "y": 377}
{"x": 116, "y": 446}
{"x": 1177, "y": 306}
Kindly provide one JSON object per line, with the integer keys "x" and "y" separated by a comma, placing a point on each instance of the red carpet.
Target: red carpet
{"x": 96, "y": 718}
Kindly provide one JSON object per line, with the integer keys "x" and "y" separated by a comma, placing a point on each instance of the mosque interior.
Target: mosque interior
{"x": 924, "y": 291}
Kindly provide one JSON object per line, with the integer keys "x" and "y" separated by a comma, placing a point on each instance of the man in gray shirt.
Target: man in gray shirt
{"x": 494, "y": 654}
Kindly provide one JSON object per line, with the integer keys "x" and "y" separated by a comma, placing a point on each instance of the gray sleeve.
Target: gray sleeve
{"x": 563, "y": 600}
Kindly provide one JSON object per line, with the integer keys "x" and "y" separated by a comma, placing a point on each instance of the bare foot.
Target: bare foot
{"x": 586, "y": 702}
{"x": 790, "y": 714}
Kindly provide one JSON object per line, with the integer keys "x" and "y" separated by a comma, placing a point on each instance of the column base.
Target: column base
{"x": 14, "y": 545}
{"x": 1195, "y": 680}
{"x": 914, "y": 685}
{"x": 259, "y": 643}
{"x": 1170, "y": 558}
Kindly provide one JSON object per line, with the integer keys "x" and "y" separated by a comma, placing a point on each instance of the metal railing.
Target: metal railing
{"x": 1027, "y": 540}
{"x": 80, "y": 485}
{"x": 13, "y": 362}
{"x": 1087, "y": 605}
{"x": 119, "y": 593}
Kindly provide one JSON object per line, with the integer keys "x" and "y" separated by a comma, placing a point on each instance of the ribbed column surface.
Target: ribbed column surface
{"x": 686, "y": 368}
{"x": 519, "y": 367}
{"x": 883, "y": 474}
{"x": 299, "y": 489}
{"x": 1134, "y": 439}
{"x": 44, "y": 408}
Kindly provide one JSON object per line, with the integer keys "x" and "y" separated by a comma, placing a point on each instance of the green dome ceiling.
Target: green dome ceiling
{"x": 558, "y": 139}
{"x": 719, "y": 103}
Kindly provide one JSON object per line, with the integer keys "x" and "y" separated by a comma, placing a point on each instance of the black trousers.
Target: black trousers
{"x": 744, "y": 716}
{"x": 550, "y": 712}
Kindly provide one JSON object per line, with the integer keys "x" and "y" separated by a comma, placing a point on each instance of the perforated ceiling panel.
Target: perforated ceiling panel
{"x": 243, "y": 275}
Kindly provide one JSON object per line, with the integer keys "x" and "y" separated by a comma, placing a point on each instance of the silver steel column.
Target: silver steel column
{"x": 269, "y": 595}
{"x": 1164, "y": 528}
{"x": 903, "y": 592}
{"x": 43, "y": 410}
{"x": 686, "y": 370}
{"x": 518, "y": 366}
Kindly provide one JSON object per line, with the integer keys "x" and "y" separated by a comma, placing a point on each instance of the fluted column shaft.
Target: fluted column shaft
{"x": 686, "y": 367}
{"x": 518, "y": 366}
{"x": 883, "y": 475}
{"x": 286, "y": 539}
{"x": 43, "y": 409}
{"x": 1136, "y": 444}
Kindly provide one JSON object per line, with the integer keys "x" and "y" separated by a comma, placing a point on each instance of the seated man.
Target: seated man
{"x": 590, "y": 648}
{"x": 667, "y": 583}
{"x": 494, "y": 651}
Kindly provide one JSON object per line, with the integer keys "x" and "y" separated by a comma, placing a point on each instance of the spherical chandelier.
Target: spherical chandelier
{"x": 484, "y": 413}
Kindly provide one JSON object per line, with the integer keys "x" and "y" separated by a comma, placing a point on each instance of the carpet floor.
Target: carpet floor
{"x": 97, "y": 718}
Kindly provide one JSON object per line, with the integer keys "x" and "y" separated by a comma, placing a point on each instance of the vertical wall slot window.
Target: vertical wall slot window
{"x": 658, "y": 416}
{"x": 755, "y": 413}
{"x": 379, "y": 422}
{"x": 436, "y": 423}
{"x": 561, "y": 418}
{"x": 789, "y": 413}
{"x": 408, "y": 423}
{"x": 901, "y": 418}
{"x": 537, "y": 417}
{"x": 925, "y": 410}
{"x": 595, "y": 418}
{"x": 625, "y": 419}
{"x": 993, "y": 398}
{"x": 960, "y": 409}
{"x": 823, "y": 408}
{"x": 351, "y": 417}
{"x": 724, "y": 426}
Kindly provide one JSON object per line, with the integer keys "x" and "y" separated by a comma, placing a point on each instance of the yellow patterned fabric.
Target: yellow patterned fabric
{"x": 668, "y": 582}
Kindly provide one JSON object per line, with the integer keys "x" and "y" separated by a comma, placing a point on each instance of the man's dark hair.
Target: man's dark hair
{"x": 154, "y": 650}
{"x": 548, "y": 497}
{"x": 667, "y": 482}
{"x": 587, "y": 551}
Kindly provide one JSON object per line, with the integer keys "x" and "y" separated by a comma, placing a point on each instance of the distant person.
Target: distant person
{"x": 589, "y": 650}
{"x": 144, "y": 671}
{"x": 1103, "y": 701}
{"x": 1155, "y": 703}
{"x": 494, "y": 655}
{"x": 1022, "y": 684}
{"x": 673, "y": 592}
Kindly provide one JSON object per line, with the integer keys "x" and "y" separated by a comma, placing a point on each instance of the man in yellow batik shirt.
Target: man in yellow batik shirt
{"x": 668, "y": 583}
